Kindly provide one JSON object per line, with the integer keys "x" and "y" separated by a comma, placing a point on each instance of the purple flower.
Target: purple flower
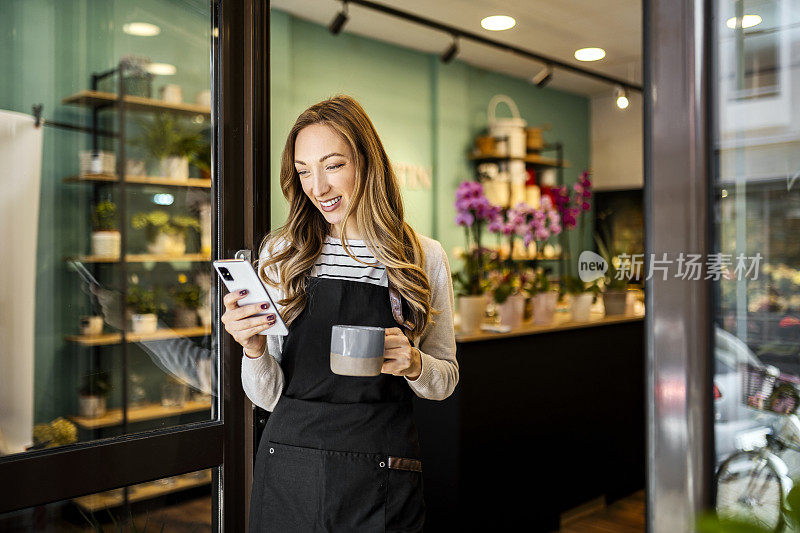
{"x": 465, "y": 219}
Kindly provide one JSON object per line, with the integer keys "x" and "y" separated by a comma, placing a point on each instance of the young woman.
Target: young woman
{"x": 340, "y": 453}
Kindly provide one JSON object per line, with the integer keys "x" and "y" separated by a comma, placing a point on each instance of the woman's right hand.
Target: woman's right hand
{"x": 244, "y": 327}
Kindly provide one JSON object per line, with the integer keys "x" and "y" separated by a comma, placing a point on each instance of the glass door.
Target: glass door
{"x": 756, "y": 215}
{"x": 120, "y": 393}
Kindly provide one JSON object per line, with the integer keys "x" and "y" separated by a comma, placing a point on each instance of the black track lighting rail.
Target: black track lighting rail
{"x": 459, "y": 33}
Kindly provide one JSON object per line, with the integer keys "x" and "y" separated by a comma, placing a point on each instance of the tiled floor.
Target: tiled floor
{"x": 623, "y": 516}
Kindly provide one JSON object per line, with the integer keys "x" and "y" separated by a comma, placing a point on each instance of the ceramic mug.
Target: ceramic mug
{"x": 357, "y": 350}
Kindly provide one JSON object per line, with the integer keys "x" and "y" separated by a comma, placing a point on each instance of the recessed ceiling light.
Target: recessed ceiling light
{"x": 142, "y": 29}
{"x": 590, "y": 54}
{"x": 498, "y": 23}
{"x": 163, "y": 69}
{"x": 748, "y": 21}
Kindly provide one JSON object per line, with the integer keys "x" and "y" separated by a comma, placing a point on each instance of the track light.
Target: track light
{"x": 622, "y": 98}
{"x": 543, "y": 77}
{"x": 451, "y": 52}
{"x": 341, "y": 18}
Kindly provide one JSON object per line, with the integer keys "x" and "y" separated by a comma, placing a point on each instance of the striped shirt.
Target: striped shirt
{"x": 333, "y": 262}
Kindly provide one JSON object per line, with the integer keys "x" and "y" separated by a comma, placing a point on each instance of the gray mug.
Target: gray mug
{"x": 357, "y": 350}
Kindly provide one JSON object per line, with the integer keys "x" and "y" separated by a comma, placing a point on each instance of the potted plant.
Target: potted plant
{"x": 144, "y": 306}
{"x": 472, "y": 211}
{"x": 545, "y": 298}
{"x": 170, "y": 143}
{"x": 615, "y": 286}
{"x": 508, "y": 292}
{"x": 106, "y": 239}
{"x": 201, "y": 158}
{"x": 187, "y": 297}
{"x": 93, "y": 393}
{"x": 165, "y": 235}
{"x": 582, "y": 296}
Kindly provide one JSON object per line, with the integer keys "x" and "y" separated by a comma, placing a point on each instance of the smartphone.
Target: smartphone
{"x": 238, "y": 274}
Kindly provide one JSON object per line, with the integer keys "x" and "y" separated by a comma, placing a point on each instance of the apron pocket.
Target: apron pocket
{"x": 405, "y": 504}
{"x": 354, "y": 491}
{"x": 290, "y": 496}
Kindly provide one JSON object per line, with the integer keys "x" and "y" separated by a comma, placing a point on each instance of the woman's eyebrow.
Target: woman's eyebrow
{"x": 321, "y": 159}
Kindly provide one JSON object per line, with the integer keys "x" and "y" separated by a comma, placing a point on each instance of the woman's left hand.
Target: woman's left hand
{"x": 400, "y": 358}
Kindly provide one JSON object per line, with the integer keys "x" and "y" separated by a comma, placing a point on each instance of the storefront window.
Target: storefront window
{"x": 176, "y": 503}
{"x": 757, "y": 213}
{"x": 105, "y": 145}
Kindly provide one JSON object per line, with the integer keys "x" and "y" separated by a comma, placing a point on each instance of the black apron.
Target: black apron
{"x": 338, "y": 453}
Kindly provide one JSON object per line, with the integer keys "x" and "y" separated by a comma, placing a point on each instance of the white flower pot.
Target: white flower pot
{"x": 91, "y": 325}
{"x": 582, "y": 306}
{"x": 205, "y": 229}
{"x": 512, "y": 310}
{"x": 168, "y": 244}
{"x": 146, "y": 323}
{"x": 471, "y": 309}
{"x": 91, "y": 406}
{"x": 185, "y": 317}
{"x": 174, "y": 167}
{"x": 615, "y": 302}
{"x": 106, "y": 243}
{"x": 544, "y": 307}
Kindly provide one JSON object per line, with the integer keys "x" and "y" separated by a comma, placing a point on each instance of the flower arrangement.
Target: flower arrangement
{"x": 187, "y": 295}
{"x": 104, "y": 216}
{"x": 571, "y": 204}
{"x": 505, "y": 282}
{"x": 473, "y": 210}
{"x": 145, "y": 301}
{"x": 156, "y": 222}
{"x": 574, "y": 285}
{"x": 527, "y": 222}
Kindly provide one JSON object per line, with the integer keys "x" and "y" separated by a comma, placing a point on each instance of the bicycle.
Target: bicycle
{"x": 753, "y": 484}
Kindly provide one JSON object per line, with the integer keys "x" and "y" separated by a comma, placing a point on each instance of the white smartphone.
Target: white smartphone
{"x": 238, "y": 274}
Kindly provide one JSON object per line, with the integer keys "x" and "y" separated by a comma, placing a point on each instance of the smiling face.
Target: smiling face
{"x": 324, "y": 163}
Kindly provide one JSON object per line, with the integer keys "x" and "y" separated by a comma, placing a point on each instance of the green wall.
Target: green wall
{"x": 426, "y": 112}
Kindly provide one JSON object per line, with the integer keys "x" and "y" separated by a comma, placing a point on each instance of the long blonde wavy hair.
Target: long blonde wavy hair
{"x": 376, "y": 204}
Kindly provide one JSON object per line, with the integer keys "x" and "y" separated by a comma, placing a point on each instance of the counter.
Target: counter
{"x": 544, "y": 419}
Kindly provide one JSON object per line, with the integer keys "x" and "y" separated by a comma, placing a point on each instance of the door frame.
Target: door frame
{"x": 241, "y": 160}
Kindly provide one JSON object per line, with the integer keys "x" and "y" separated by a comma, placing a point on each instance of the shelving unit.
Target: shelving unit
{"x": 143, "y": 491}
{"x": 120, "y": 417}
{"x": 141, "y": 180}
{"x": 113, "y": 417}
{"x": 107, "y": 339}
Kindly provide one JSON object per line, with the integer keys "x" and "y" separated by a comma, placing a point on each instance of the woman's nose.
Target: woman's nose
{"x": 320, "y": 185}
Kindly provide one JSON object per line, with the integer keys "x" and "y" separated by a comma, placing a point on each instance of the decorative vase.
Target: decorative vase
{"x": 174, "y": 167}
{"x": 185, "y": 317}
{"x": 168, "y": 244}
{"x": 582, "y": 306}
{"x": 512, "y": 310}
{"x": 615, "y": 302}
{"x": 91, "y": 324}
{"x": 144, "y": 323}
{"x": 471, "y": 309}
{"x": 91, "y": 406}
{"x": 544, "y": 307}
{"x": 106, "y": 243}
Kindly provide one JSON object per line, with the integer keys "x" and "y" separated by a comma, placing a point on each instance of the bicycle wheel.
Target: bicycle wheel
{"x": 749, "y": 488}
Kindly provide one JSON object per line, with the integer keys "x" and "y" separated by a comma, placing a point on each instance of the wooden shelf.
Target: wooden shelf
{"x": 142, "y": 491}
{"x": 534, "y": 159}
{"x": 141, "y": 258}
{"x": 113, "y": 417}
{"x": 134, "y": 103}
{"x": 116, "y": 338}
{"x": 141, "y": 180}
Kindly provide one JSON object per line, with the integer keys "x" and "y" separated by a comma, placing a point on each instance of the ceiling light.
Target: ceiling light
{"x": 142, "y": 29}
{"x": 498, "y": 23}
{"x": 162, "y": 69}
{"x": 451, "y": 52}
{"x": 163, "y": 199}
{"x": 622, "y": 98}
{"x": 543, "y": 77}
{"x": 748, "y": 21}
{"x": 338, "y": 23}
{"x": 590, "y": 54}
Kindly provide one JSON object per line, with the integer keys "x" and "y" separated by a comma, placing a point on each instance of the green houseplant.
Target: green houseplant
{"x": 582, "y": 295}
{"x": 615, "y": 283}
{"x": 93, "y": 393}
{"x": 545, "y": 298}
{"x": 144, "y": 306}
{"x": 165, "y": 234}
{"x": 106, "y": 239}
{"x": 187, "y": 299}
{"x": 169, "y": 142}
